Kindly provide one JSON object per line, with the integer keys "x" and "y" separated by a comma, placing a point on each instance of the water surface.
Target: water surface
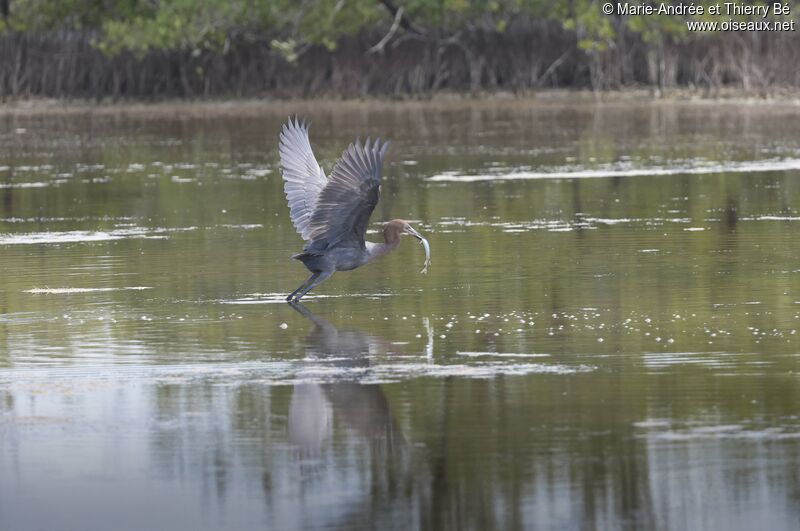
{"x": 606, "y": 339}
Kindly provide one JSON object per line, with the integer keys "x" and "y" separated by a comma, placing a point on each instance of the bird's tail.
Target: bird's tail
{"x": 310, "y": 259}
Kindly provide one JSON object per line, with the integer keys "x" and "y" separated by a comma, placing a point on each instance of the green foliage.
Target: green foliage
{"x": 53, "y": 15}
{"x": 595, "y": 31}
{"x": 181, "y": 24}
{"x": 207, "y": 25}
{"x": 290, "y": 26}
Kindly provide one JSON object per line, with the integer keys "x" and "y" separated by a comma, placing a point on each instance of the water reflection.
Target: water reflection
{"x": 349, "y": 455}
{"x": 362, "y": 410}
{"x": 577, "y": 463}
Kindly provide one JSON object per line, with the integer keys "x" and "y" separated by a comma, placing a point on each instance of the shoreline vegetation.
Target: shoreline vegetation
{"x": 123, "y": 50}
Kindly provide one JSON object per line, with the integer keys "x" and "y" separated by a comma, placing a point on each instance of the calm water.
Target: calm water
{"x": 606, "y": 339}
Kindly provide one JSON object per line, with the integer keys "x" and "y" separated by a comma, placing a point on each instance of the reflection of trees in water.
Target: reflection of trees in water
{"x": 478, "y": 469}
{"x": 541, "y": 451}
{"x": 544, "y": 451}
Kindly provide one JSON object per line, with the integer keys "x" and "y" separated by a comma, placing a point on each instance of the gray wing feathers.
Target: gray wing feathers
{"x": 347, "y": 201}
{"x": 303, "y": 179}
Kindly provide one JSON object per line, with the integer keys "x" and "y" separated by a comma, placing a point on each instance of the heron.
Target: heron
{"x": 332, "y": 213}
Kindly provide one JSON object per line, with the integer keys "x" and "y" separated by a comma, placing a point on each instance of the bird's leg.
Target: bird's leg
{"x": 318, "y": 279}
{"x": 308, "y": 281}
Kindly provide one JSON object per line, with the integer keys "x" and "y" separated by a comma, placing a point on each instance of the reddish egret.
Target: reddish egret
{"x": 332, "y": 213}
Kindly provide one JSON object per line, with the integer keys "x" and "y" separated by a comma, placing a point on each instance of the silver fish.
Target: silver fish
{"x": 427, "y": 246}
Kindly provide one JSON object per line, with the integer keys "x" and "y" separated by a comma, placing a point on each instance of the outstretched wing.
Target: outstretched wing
{"x": 353, "y": 190}
{"x": 303, "y": 179}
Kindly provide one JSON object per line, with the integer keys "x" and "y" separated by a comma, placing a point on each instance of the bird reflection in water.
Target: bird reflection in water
{"x": 316, "y": 410}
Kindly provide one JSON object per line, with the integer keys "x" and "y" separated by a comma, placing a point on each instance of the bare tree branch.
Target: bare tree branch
{"x": 386, "y": 38}
{"x": 404, "y": 22}
{"x": 550, "y": 69}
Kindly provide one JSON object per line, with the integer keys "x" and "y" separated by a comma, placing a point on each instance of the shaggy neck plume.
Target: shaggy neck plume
{"x": 391, "y": 238}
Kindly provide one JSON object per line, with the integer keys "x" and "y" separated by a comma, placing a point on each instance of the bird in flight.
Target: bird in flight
{"x": 332, "y": 213}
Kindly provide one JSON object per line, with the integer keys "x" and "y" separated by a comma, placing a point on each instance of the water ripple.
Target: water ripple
{"x": 623, "y": 170}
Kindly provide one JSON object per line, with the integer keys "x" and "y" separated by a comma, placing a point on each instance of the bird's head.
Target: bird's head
{"x": 397, "y": 227}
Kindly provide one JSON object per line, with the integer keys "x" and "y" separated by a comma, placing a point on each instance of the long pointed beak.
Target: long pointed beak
{"x": 414, "y": 233}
